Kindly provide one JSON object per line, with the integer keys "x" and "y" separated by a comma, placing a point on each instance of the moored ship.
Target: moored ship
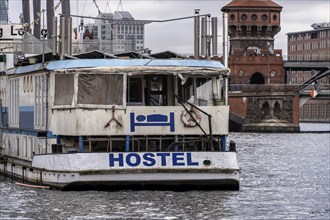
{"x": 118, "y": 123}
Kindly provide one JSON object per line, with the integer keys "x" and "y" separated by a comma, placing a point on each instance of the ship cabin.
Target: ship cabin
{"x": 114, "y": 105}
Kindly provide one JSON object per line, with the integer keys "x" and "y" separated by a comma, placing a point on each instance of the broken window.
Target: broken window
{"x": 64, "y": 89}
{"x": 100, "y": 89}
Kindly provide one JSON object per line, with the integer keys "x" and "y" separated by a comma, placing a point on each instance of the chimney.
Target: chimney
{"x": 196, "y": 34}
{"x": 37, "y": 18}
{"x": 204, "y": 36}
{"x": 50, "y": 15}
{"x": 54, "y": 37}
{"x": 26, "y": 14}
{"x": 214, "y": 21}
{"x": 66, "y": 34}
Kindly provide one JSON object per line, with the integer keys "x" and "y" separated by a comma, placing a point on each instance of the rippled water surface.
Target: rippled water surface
{"x": 284, "y": 176}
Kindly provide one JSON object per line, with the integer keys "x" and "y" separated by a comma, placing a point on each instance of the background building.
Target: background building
{"x": 4, "y": 12}
{"x": 122, "y": 34}
{"x": 113, "y": 33}
{"x": 311, "y": 46}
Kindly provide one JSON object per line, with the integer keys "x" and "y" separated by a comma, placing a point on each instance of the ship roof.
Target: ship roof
{"x": 130, "y": 66}
{"x": 93, "y": 63}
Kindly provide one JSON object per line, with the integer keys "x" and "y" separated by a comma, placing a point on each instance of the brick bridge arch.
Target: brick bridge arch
{"x": 271, "y": 109}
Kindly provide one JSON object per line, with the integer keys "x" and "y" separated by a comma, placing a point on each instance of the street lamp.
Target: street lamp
{"x": 44, "y": 34}
{"x": 268, "y": 71}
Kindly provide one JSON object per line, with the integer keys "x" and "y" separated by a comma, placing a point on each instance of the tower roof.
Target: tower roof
{"x": 251, "y": 4}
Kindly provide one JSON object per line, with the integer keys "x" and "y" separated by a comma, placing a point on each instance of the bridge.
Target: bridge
{"x": 305, "y": 95}
{"x": 319, "y": 70}
{"x": 278, "y": 107}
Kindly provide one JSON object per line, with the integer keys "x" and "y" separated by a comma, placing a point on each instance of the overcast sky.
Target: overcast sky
{"x": 177, "y": 36}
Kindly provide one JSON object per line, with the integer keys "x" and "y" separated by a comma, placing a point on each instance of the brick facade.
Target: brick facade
{"x": 245, "y": 67}
{"x": 252, "y": 26}
{"x": 258, "y": 94}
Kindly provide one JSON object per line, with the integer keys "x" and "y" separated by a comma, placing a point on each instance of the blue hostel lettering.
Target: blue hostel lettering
{"x": 160, "y": 159}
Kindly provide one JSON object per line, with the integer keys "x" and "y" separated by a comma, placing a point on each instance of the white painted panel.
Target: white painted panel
{"x": 126, "y": 161}
{"x": 93, "y": 122}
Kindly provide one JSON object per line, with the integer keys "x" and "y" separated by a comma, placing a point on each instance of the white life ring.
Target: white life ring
{"x": 188, "y": 121}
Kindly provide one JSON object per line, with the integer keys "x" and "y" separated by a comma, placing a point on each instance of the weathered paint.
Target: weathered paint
{"x": 158, "y": 160}
{"x": 82, "y": 122}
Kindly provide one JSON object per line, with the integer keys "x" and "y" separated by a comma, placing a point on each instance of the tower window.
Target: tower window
{"x": 232, "y": 17}
{"x": 274, "y": 17}
{"x": 264, "y": 17}
{"x": 254, "y": 17}
{"x": 243, "y": 17}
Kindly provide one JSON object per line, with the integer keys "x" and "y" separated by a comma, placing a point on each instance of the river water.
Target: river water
{"x": 284, "y": 176}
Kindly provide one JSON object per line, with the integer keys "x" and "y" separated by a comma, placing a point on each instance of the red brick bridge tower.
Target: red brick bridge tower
{"x": 259, "y": 99}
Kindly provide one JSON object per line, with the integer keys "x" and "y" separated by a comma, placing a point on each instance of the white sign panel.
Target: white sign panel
{"x": 12, "y": 31}
{"x": 136, "y": 160}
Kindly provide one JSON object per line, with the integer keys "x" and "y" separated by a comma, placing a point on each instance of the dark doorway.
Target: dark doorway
{"x": 257, "y": 78}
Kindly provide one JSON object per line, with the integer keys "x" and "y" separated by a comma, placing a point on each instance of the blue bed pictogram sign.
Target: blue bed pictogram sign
{"x": 152, "y": 120}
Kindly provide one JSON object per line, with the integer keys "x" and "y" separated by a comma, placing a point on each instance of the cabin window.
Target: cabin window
{"x": 14, "y": 103}
{"x": 202, "y": 91}
{"x": 156, "y": 90}
{"x": 30, "y": 84}
{"x": 135, "y": 90}
{"x": 100, "y": 89}
{"x": 2, "y": 89}
{"x": 31, "y": 147}
{"x": 25, "y": 147}
{"x": 64, "y": 89}
{"x": 27, "y": 84}
{"x": 40, "y": 101}
{"x": 8, "y": 144}
{"x": 24, "y": 83}
{"x": 17, "y": 147}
